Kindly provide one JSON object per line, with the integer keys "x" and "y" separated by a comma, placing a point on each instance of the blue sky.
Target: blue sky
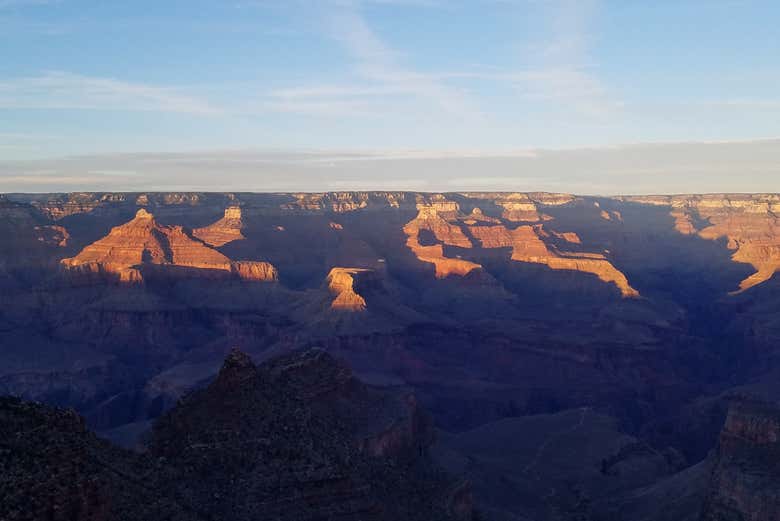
{"x": 486, "y": 77}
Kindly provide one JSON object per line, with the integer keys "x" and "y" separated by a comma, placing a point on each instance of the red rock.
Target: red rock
{"x": 227, "y": 229}
{"x": 144, "y": 241}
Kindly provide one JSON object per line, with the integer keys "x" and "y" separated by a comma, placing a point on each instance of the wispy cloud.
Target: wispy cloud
{"x": 380, "y": 78}
{"x": 379, "y": 63}
{"x": 64, "y": 90}
{"x": 563, "y": 68}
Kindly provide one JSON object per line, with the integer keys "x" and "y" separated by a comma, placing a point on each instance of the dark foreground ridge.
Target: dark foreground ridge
{"x": 297, "y": 438}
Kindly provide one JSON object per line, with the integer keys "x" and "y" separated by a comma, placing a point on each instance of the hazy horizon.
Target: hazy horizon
{"x": 660, "y": 168}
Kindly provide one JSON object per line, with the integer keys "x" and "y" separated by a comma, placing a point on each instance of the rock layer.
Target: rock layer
{"x": 227, "y": 229}
{"x": 143, "y": 241}
{"x": 442, "y": 221}
{"x": 341, "y": 284}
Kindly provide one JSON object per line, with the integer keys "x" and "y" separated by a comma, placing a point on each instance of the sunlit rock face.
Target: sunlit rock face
{"x": 429, "y": 219}
{"x": 748, "y": 222}
{"x": 227, "y": 229}
{"x": 527, "y": 246}
{"x": 745, "y": 484}
{"x": 143, "y": 241}
{"x": 443, "y": 221}
{"x": 341, "y": 284}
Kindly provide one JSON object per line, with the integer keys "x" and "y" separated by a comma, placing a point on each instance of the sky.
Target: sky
{"x": 588, "y": 96}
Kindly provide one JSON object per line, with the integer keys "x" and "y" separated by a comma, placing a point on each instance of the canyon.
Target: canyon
{"x": 628, "y": 324}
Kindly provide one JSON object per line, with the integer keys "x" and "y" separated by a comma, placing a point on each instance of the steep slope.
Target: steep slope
{"x": 748, "y": 222}
{"x": 52, "y": 467}
{"x": 745, "y": 483}
{"x": 566, "y": 466}
{"x": 143, "y": 241}
{"x": 300, "y": 438}
{"x": 297, "y": 439}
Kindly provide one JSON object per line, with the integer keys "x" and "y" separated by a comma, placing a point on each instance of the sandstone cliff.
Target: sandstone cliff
{"x": 445, "y": 226}
{"x": 227, "y": 229}
{"x": 143, "y": 241}
{"x": 429, "y": 219}
{"x": 341, "y": 284}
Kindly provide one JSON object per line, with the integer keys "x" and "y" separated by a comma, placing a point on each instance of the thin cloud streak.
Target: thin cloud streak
{"x": 65, "y": 90}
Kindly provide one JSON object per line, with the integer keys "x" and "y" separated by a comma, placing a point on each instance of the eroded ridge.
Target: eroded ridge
{"x": 442, "y": 222}
{"x": 143, "y": 241}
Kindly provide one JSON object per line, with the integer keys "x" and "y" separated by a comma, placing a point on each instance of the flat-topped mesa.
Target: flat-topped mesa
{"x": 227, "y": 229}
{"x": 142, "y": 241}
{"x": 341, "y": 284}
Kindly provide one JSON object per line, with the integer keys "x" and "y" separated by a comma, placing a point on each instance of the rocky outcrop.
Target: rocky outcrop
{"x": 227, "y": 229}
{"x": 527, "y": 246}
{"x": 745, "y": 484}
{"x": 341, "y": 284}
{"x": 300, "y": 438}
{"x": 254, "y": 271}
{"x": 143, "y": 241}
{"x": 53, "y": 234}
{"x": 431, "y": 221}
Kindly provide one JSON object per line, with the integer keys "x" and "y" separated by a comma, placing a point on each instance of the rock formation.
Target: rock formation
{"x": 430, "y": 220}
{"x": 53, "y": 234}
{"x": 527, "y": 246}
{"x": 300, "y": 438}
{"x": 745, "y": 483}
{"x": 749, "y": 223}
{"x": 526, "y": 242}
{"x": 143, "y": 241}
{"x": 341, "y": 284}
{"x": 227, "y": 229}
{"x": 297, "y": 438}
